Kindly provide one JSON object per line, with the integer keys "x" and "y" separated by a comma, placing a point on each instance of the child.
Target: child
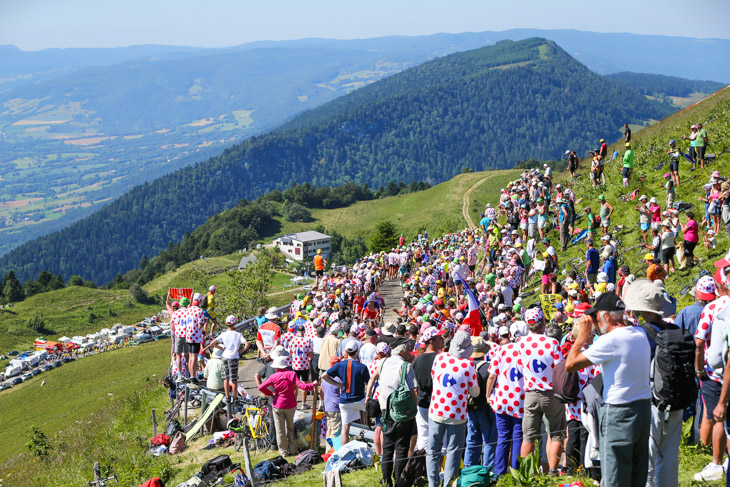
{"x": 232, "y": 343}
{"x": 669, "y": 187}
{"x": 710, "y": 240}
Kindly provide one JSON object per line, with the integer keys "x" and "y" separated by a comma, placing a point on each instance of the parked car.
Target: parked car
{"x": 5, "y": 385}
{"x": 16, "y": 381}
{"x": 144, "y": 338}
{"x": 26, "y": 376}
{"x": 13, "y": 353}
{"x": 3, "y": 357}
{"x": 57, "y": 363}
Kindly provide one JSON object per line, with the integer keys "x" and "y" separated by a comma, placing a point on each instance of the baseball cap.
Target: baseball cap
{"x": 352, "y": 345}
{"x": 431, "y": 332}
{"x": 724, "y": 262}
{"x": 197, "y": 297}
{"x": 231, "y": 320}
{"x": 291, "y": 326}
{"x": 503, "y": 331}
{"x": 212, "y": 288}
{"x": 606, "y": 302}
{"x": 533, "y": 315}
{"x": 579, "y": 310}
{"x": 382, "y": 348}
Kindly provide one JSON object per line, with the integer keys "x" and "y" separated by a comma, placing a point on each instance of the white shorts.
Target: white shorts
{"x": 350, "y": 412}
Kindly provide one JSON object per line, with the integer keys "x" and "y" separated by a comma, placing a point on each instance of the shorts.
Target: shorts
{"x": 572, "y": 167}
{"x": 192, "y": 348}
{"x": 523, "y": 225}
{"x": 645, "y": 226}
{"x": 655, "y": 224}
{"x": 178, "y": 345}
{"x": 303, "y": 375}
{"x": 334, "y": 423}
{"x": 229, "y": 371}
{"x": 700, "y": 152}
{"x": 537, "y": 404}
{"x": 351, "y": 411}
{"x": 319, "y": 273}
{"x": 541, "y": 223}
{"x": 673, "y": 166}
{"x": 667, "y": 255}
{"x": 626, "y": 172}
{"x": 606, "y": 223}
{"x": 531, "y": 228}
{"x": 314, "y": 369}
{"x": 472, "y": 267}
{"x": 710, "y": 391}
{"x": 591, "y": 278}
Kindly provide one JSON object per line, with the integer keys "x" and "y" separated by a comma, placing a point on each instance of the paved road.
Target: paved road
{"x": 391, "y": 292}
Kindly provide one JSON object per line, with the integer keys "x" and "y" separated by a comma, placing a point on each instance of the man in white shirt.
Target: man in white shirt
{"x": 623, "y": 352}
{"x": 368, "y": 348}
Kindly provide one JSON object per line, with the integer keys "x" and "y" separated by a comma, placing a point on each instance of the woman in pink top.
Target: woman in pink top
{"x": 656, "y": 213}
{"x": 691, "y": 238}
{"x": 282, "y": 386}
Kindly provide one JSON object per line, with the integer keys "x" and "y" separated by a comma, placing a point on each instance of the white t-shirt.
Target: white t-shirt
{"x": 231, "y": 341}
{"x": 367, "y": 352}
{"x": 624, "y": 356}
{"x": 508, "y": 294}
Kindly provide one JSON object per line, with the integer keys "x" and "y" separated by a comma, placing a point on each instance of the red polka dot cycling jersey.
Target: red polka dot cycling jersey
{"x": 175, "y": 322}
{"x": 704, "y": 329}
{"x": 508, "y": 395}
{"x": 538, "y": 356}
{"x": 373, "y": 369}
{"x": 452, "y": 377}
{"x": 574, "y": 410}
{"x": 192, "y": 320}
{"x": 286, "y": 338}
{"x": 299, "y": 350}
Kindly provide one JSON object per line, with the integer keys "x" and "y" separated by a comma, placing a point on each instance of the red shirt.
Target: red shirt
{"x": 269, "y": 334}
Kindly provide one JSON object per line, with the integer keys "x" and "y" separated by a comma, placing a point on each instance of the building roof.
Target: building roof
{"x": 305, "y": 236}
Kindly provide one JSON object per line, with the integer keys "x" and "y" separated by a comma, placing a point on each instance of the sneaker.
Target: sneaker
{"x": 710, "y": 472}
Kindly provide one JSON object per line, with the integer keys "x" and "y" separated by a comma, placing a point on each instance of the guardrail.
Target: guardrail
{"x": 251, "y": 322}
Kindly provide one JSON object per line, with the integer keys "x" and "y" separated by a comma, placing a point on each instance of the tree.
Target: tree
{"x": 75, "y": 281}
{"x": 44, "y": 279}
{"x": 55, "y": 283}
{"x": 39, "y": 445}
{"x": 246, "y": 290}
{"x": 90, "y": 284}
{"x": 12, "y": 290}
{"x": 294, "y": 212}
{"x": 139, "y": 294}
{"x": 31, "y": 288}
{"x": 385, "y": 237}
{"x": 38, "y": 325}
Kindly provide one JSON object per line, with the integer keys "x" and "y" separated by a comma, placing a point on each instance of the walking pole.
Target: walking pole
{"x": 315, "y": 436}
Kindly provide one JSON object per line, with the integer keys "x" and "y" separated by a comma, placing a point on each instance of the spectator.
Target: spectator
{"x": 481, "y": 433}
{"x": 301, "y": 351}
{"x": 454, "y": 377}
{"x": 605, "y": 213}
{"x": 232, "y": 343}
{"x": 268, "y": 334}
{"x": 691, "y": 238}
{"x": 368, "y": 348}
{"x": 282, "y": 386}
{"x": 538, "y": 355}
{"x": 353, "y": 377}
{"x": 592, "y": 263}
{"x": 433, "y": 338}
{"x": 628, "y": 164}
{"x": 330, "y": 344}
{"x": 212, "y": 371}
{"x": 624, "y": 355}
{"x": 331, "y": 402}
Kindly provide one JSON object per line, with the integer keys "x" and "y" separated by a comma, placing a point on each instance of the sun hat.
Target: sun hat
{"x": 649, "y": 256}
{"x": 601, "y": 198}
{"x": 461, "y": 346}
{"x": 280, "y": 362}
{"x": 479, "y": 347}
{"x": 217, "y": 353}
{"x": 567, "y": 152}
{"x": 388, "y": 329}
{"x": 231, "y": 320}
{"x": 533, "y": 315}
{"x": 716, "y": 174}
{"x": 272, "y": 314}
{"x": 184, "y": 302}
{"x": 644, "y": 295}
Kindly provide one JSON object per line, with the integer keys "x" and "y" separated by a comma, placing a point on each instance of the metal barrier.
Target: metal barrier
{"x": 251, "y": 322}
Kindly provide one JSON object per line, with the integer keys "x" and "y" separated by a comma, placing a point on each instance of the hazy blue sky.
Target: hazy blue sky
{"x": 37, "y": 24}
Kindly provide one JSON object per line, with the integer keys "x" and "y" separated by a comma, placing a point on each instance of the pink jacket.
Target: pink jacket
{"x": 283, "y": 387}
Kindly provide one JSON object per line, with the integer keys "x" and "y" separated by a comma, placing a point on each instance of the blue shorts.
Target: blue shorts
{"x": 645, "y": 227}
{"x": 377, "y": 421}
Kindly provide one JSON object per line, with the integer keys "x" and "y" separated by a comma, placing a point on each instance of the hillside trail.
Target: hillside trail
{"x": 391, "y": 292}
{"x": 467, "y": 196}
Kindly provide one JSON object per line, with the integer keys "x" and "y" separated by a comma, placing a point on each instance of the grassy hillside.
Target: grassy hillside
{"x": 650, "y": 145}
{"x": 75, "y": 391}
{"x": 69, "y": 311}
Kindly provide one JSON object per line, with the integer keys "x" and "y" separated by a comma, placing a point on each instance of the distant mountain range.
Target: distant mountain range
{"x": 479, "y": 109}
{"x": 79, "y": 127}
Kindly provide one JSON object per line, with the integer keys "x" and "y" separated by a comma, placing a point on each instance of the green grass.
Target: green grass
{"x": 77, "y": 390}
{"x": 650, "y": 145}
{"x": 215, "y": 267}
{"x": 67, "y": 312}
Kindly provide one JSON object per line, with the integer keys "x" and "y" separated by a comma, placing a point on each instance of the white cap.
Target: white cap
{"x": 503, "y": 331}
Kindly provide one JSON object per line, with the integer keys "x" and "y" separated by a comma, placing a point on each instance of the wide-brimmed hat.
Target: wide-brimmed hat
{"x": 644, "y": 295}
{"x": 461, "y": 346}
{"x": 272, "y": 314}
{"x": 280, "y": 362}
{"x": 388, "y": 329}
{"x": 479, "y": 347}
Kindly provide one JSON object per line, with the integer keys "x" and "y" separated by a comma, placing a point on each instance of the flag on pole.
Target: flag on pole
{"x": 473, "y": 319}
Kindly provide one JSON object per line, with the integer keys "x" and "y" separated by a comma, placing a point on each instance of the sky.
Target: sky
{"x": 39, "y": 24}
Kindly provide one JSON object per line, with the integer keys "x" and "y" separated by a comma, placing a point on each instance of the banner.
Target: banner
{"x": 177, "y": 293}
{"x": 548, "y": 304}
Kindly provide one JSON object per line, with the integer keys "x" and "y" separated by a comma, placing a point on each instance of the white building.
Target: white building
{"x": 303, "y": 245}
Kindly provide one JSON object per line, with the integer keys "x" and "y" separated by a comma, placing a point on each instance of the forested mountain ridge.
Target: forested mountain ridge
{"x": 485, "y": 108}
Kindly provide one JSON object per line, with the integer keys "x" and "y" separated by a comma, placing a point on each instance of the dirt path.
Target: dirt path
{"x": 467, "y": 196}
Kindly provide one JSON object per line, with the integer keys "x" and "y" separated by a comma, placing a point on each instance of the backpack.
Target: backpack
{"x": 674, "y": 387}
{"x": 153, "y": 482}
{"x": 401, "y": 405}
{"x": 306, "y": 460}
{"x": 161, "y": 439}
{"x": 177, "y": 444}
{"x": 265, "y": 471}
{"x": 221, "y": 463}
{"x": 566, "y": 385}
{"x": 471, "y": 400}
{"x": 203, "y": 302}
{"x": 474, "y": 476}
{"x": 414, "y": 473}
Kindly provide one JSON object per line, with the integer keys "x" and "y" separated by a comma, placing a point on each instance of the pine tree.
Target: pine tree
{"x": 385, "y": 237}
{"x": 12, "y": 290}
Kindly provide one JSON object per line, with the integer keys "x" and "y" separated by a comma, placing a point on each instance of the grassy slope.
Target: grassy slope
{"x": 650, "y": 145}
{"x": 76, "y": 390}
{"x": 66, "y": 312}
